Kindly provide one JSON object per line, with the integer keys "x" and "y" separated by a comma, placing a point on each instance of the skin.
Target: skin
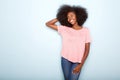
{"x": 72, "y": 20}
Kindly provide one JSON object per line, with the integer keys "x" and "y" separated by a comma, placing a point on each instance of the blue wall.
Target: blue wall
{"x": 31, "y": 51}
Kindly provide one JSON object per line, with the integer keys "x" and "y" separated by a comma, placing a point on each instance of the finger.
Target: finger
{"x": 75, "y": 71}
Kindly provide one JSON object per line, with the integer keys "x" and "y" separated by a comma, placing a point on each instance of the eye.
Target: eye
{"x": 70, "y": 16}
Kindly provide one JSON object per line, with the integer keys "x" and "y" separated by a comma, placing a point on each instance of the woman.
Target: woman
{"x": 75, "y": 39}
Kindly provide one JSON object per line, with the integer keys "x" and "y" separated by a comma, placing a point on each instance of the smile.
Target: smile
{"x": 71, "y": 21}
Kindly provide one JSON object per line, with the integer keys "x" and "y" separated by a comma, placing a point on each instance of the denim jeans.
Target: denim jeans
{"x": 67, "y": 68}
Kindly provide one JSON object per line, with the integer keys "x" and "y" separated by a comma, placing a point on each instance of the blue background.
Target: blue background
{"x": 31, "y": 51}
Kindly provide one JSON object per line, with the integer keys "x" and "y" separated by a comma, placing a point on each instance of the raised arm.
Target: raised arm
{"x": 52, "y": 24}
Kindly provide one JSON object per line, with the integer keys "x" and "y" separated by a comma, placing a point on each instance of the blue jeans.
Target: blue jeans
{"x": 67, "y": 68}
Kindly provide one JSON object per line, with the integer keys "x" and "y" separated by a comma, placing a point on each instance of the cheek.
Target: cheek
{"x": 68, "y": 20}
{"x": 74, "y": 18}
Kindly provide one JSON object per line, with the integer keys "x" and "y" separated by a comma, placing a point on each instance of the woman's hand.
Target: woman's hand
{"x": 77, "y": 69}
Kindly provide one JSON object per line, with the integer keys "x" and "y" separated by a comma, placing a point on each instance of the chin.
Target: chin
{"x": 72, "y": 23}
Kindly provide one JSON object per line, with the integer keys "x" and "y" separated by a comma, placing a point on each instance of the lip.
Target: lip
{"x": 72, "y": 21}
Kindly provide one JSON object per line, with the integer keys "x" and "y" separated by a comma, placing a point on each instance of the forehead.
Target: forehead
{"x": 71, "y": 13}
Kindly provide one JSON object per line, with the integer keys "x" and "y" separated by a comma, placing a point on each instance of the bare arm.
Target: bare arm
{"x": 78, "y": 68}
{"x": 87, "y": 48}
{"x": 52, "y": 24}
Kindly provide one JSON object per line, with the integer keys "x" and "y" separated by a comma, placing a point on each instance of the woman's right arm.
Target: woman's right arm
{"x": 52, "y": 24}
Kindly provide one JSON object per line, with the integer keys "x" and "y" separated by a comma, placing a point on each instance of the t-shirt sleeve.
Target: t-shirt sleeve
{"x": 60, "y": 29}
{"x": 88, "y": 37}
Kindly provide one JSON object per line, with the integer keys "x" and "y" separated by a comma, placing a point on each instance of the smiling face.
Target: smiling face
{"x": 71, "y": 18}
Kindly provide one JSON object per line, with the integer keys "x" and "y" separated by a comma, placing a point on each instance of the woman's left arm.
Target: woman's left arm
{"x": 87, "y": 49}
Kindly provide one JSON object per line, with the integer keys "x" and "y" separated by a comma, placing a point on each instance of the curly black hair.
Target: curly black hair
{"x": 80, "y": 12}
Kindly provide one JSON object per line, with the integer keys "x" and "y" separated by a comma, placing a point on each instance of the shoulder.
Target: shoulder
{"x": 86, "y": 28}
{"x": 62, "y": 27}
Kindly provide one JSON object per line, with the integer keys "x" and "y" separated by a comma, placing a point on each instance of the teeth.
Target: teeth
{"x": 71, "y": 20}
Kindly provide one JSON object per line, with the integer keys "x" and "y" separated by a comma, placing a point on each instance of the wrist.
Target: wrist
{"x": 80, "y": 64}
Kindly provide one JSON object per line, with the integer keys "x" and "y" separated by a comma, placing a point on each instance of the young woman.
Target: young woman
{"x": 75, "y": 39}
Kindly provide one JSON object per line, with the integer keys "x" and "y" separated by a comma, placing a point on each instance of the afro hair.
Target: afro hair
{"x": 79, "y": 11}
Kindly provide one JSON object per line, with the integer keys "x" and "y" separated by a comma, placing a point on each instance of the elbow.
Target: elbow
{"x": 47, "y": 24}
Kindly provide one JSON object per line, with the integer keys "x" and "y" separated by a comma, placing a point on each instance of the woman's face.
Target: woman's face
{"x": 71, "y": 18}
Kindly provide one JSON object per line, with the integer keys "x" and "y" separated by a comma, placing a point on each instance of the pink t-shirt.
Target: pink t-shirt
{"x": 73, "y": 42}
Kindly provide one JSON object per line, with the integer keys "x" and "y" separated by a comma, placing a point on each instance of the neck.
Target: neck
{"x": 76, "y": 26}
